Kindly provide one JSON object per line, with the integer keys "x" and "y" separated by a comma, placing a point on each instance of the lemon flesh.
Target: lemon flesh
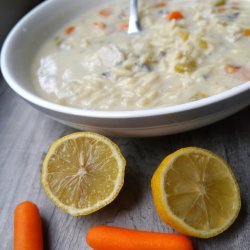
{"x": 196, "y": 192}
{"x": 83, "y": 172}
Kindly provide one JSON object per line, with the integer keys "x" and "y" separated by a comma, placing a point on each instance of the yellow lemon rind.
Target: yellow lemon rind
{"x": 160, "y": 201}
{"x": 119, "y": 182}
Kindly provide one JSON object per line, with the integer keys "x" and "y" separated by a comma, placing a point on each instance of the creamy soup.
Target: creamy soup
{"x": 187, "y": 50}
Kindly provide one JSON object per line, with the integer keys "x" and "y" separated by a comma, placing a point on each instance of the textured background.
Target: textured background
{"x": 25, "y": 135}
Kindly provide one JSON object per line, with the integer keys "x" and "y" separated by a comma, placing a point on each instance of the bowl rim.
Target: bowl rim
{"x": 39, "y": 101}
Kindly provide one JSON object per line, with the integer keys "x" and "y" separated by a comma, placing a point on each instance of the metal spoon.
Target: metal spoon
{"x": 134, "y": 24}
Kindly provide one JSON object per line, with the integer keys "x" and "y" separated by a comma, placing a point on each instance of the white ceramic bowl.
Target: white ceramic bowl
{"x": 33, "y": 30}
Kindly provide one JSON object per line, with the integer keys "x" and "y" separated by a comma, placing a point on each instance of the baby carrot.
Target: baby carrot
{"x": 113, "y": 238}
{"x": 27, "y": 227}
{"x": 175, "y": 15}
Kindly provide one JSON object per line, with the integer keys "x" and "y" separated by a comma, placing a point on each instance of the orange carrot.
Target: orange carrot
{"x": 105, "y": 13}
{"x": 99, "y": 25}
{"x": 123, "y": 27}
{"x": 69, "y": 30}
{"x": 175, "y": 15}
{"x": 27, "y": 227}
{"x": 113, "y": 238}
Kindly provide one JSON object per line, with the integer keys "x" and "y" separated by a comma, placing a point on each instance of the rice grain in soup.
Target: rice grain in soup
{"x": 188, "y": 50}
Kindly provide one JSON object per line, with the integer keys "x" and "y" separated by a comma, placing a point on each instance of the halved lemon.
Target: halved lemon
{"x": 195, "y": 192}
{"x": 83, "y": 172}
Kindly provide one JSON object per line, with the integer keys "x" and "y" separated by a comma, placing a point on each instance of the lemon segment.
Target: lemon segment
{"x": 83, "y": 172}
{"x": 196, "y": 193}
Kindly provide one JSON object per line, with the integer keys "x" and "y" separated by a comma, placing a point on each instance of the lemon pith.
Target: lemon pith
{"x": 83, "y": 172}
{"x": 195, "y": 192}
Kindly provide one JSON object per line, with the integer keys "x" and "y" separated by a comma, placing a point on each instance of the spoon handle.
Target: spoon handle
{"x": 134, "y": 25}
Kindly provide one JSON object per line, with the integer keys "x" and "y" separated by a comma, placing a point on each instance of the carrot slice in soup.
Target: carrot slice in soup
{"x": 175, "y": 15}
{"x": 246, "y": 32}
{"x": 69, "y": 30}
{"x": 105, "y": 13}
{"x": 231, "y": 69}
{"x": 123, "y": 27}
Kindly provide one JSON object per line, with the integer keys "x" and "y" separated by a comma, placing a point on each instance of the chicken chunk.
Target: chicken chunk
{"x": 107, "y": 56}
